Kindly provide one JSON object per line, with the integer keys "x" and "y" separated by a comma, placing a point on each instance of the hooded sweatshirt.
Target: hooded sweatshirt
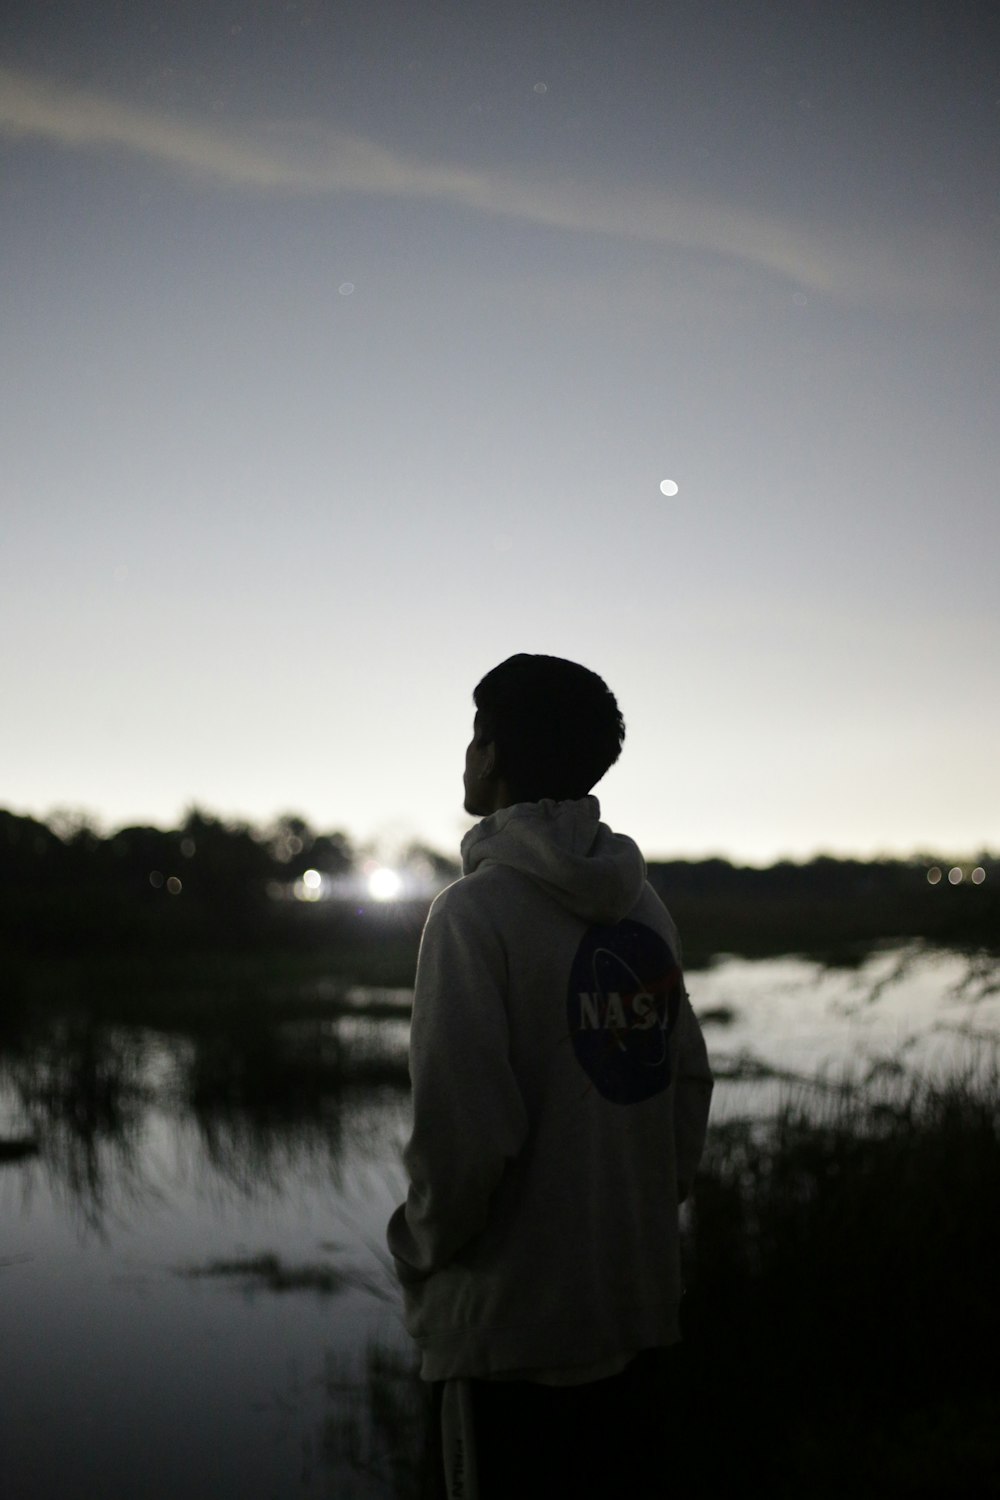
{"x": 560, "y": 1101}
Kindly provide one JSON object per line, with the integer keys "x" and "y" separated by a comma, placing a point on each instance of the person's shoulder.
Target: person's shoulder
{"x": 473, "y": 891}
{"x": 652, "y": 910}
{"x": 482, "y": 897}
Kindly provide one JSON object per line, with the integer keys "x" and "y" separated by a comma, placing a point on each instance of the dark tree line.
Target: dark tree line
{"x": 829, "y": 906}
{"x": 212, "y": 883}
{"x": 73, "y": 887}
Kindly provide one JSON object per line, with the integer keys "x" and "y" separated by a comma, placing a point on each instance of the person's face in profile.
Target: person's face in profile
{"x": 478, "y": 778}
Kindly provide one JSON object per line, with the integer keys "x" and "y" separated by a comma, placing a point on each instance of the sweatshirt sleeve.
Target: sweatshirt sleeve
{"x": 469, "y": 1117}
{"x": 692, "y": 1097}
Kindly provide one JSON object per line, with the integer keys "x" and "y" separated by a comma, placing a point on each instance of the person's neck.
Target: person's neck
{"x": 503, "y": 796}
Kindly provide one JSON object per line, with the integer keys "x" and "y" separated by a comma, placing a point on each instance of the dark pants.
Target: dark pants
{"x": 614, "y": 1437}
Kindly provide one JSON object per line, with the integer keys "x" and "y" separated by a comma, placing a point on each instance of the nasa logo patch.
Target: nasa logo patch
{"x": 624, "y": 996}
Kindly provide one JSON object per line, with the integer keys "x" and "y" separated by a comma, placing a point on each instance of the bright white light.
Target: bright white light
{"x": 384, "y": 885}
{"x": 312, "y": 879}
{"x": 668, "y": 487}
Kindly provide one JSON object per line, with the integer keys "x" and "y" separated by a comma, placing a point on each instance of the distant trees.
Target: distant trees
{"x": 25, "y": 846}
{"x": 294, "y": 848}
{"x": 824, "y": 905}
{"x": 75, "y": 889}
{"x": 68, "y": 888}
{"x": 430, "y": 865}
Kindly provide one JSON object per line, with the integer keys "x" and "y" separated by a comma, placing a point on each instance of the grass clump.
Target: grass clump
{"x": 841, "y": 1318}
{"x": 841, "y": 1314}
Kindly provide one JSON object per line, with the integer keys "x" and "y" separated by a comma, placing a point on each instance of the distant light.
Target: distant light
{"x": 187, "y": 848}
{"x": 346, "y": 288}
{"x": 955, "y": 875}
{"x": 286, "y": 847}
{"x": 155, "y": 879}
{"x": 173, "y": 885}
{"x": 933, "y": 875}
{"x": 312, "y": 880}
{"x": 668, "y": 487}
{"x": 978, "y": 875}
{"x": 384, "y": 885}
{"x": 541, "y": 88}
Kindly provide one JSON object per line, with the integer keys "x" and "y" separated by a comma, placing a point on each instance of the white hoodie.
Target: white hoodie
{"x": 560, "y": 1099}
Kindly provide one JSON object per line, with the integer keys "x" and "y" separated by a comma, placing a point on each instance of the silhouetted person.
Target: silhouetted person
{"x": 560, "y": 1096}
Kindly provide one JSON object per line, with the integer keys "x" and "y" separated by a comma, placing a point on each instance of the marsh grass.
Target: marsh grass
{"x": 841, "y": 1315}
{"x": 270, "y": 1272}
{"x": 376, "y": 1426}
{"x": 841, "y": 1319}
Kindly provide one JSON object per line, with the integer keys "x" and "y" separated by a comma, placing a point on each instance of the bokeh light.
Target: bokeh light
{"x": 384, "y": 884}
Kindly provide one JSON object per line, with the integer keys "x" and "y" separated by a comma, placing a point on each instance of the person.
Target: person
{"x": 561, "y": 1092}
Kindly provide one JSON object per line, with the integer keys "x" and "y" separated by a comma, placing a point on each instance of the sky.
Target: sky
{"x": 346, "y": 347}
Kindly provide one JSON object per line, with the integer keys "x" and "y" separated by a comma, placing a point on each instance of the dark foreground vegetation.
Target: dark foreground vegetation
{"x": 212, "y": 899}
{"x": 841, "y": 1318}
{"x": 842, "y": 1295}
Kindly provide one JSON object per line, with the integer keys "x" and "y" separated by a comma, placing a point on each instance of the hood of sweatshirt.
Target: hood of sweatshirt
{"x": 598, "y": 875}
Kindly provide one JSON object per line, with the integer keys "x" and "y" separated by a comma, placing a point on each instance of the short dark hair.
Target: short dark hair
{"x": 555, "y": 725}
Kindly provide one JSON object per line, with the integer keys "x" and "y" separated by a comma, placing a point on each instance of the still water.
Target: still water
{"x": 193, "y": 1280}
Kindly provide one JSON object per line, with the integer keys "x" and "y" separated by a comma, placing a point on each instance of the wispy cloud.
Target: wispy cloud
{"x": 318, "y": 160}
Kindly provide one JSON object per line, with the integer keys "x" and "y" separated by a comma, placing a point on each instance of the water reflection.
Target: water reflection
{"x": 205, "y": 1206}
{"x": 81, "y": 1093}
{"x": 374, "y": 1423}
{"x": 269, "y": 1098}
{"x": 276, "y": 1088}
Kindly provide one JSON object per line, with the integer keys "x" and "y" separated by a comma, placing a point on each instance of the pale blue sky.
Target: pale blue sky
{"x": 344, "y": 351}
